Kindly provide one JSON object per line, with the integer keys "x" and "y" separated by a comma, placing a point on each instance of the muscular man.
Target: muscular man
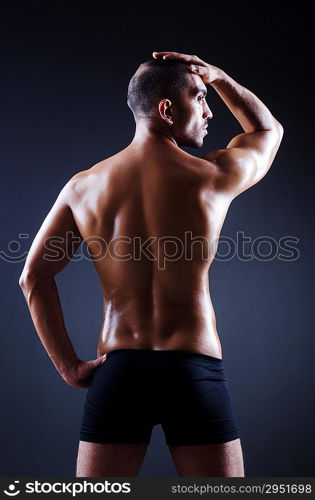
{"x": 151, "y": 216}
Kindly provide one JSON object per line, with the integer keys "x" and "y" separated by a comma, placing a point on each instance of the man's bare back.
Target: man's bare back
{"x": 152, "y": 189}
{"x": 155, "y": 296}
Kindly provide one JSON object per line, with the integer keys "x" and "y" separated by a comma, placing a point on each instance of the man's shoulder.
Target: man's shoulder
{"x": 206, "y": 168}
{"x": 76, "y": 185}
{"x": 81, "y": 180}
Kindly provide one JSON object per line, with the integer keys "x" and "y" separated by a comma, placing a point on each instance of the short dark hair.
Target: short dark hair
{"x": 154, "y": 80}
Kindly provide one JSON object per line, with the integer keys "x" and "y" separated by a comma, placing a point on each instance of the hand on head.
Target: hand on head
{"x": 207, "y": 72}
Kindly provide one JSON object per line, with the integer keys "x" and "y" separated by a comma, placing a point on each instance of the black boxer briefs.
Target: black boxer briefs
{"x": 134, "y": 389}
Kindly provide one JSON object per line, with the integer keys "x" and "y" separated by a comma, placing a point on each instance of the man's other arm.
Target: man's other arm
{"x": 38, "y": 280}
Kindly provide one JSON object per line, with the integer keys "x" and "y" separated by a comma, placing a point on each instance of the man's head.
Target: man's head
{"x": 169, "y": 95}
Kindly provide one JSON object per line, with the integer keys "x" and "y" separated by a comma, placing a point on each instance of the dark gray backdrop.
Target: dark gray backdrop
{"x": 64, "y": 74}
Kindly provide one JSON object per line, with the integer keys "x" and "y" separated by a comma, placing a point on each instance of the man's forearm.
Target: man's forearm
{"x": 247, "y": 108}
{"x": 44, "y": 304}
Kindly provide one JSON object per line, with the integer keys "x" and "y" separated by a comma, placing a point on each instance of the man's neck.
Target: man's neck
{"x": 148, "y": 132}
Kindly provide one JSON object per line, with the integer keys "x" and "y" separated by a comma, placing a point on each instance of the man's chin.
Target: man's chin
{"x": 192, "y": 143}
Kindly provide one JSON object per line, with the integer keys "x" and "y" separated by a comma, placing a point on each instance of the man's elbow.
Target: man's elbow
{"x": 278, "y": 128}
{"x": 28, "y": 278}
{"x": 281, "y": 130}
{"x": 25, "y": 280}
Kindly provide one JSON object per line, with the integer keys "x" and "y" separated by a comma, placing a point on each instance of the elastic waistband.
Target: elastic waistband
{"x": 168, "y": 352}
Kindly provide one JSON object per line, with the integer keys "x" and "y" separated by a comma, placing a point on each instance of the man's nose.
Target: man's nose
{"x": 207, "y": 113}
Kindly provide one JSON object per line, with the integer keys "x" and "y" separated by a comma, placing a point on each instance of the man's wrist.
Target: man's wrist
{"x": 65, "y": 366}
{"x": 216, "y": 75}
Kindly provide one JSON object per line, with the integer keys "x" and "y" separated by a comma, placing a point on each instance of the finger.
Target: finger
{"x": 198, "y": 70}
{"x": 101, "y": 359}
{"x": 174, "y": 55}
{"x": 156, "y": 55}
{"x": 94, "y": 363}
{"x": 163, "y": 53}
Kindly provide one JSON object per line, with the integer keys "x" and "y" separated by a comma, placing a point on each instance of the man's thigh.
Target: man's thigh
{"x": 217, "y": 459}
{"x": 109, "y": 459}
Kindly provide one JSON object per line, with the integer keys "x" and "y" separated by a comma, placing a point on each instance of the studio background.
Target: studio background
{"x": 65, "y": 70}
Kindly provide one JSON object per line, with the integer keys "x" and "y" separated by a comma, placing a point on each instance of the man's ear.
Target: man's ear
{"x": 166, "y": 111}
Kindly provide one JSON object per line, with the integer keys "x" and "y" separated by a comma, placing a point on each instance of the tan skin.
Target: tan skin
{"x": 152, "y": 188}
